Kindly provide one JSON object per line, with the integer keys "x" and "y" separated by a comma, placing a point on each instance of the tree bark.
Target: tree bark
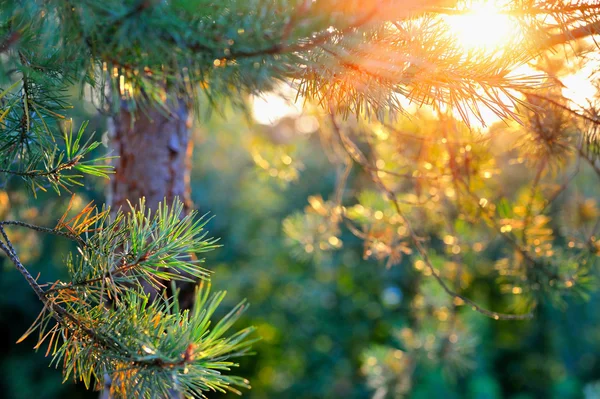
{"x": 153, "y": 149}
{"x": 154, "y": 154}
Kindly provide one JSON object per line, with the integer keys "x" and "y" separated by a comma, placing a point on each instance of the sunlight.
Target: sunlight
{"x": 577, "y": 86}
{"x": 271, "y": 107}
{"x": 483, "y": 26}
{"x": 479, "y": 26}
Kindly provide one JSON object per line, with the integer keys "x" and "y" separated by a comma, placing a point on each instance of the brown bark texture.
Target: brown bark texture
{"x": 153, "y": 151}
{"x": 153, "y": 147}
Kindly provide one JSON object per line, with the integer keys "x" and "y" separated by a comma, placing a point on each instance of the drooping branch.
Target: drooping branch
{"x": 359, "y": 158}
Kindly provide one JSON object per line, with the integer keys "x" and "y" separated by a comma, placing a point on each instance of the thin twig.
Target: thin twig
{"x": 563, "y": 187}
{"x": 590, "y": 161}
{"x": 58, "y": 312}
{"x": 10, "y": 252}
{"x": 529, "y": 208}
{"x": 361, "y": 160}
{"x": 41, "y": 229}
{"x": 54, "y": 172}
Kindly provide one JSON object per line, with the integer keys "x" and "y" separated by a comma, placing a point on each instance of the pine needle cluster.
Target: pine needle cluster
{"x": 103, "y": 323}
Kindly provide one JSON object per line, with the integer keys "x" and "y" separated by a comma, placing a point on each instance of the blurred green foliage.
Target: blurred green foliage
{"x": 333, "y": 325}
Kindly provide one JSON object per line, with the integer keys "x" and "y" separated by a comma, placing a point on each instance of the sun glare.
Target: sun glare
{"x": 479, "y": 26}
{"x": 483, "y": 26}
{"x": 271, "y": 107}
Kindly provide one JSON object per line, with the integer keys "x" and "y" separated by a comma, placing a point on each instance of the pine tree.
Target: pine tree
{"x": 150, "y": 65}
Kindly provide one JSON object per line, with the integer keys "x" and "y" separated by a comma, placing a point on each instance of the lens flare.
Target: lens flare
{"x": 483, "y": 26}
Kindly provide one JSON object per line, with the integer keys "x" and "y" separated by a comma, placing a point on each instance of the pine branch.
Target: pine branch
{"x": 120, "y": 339}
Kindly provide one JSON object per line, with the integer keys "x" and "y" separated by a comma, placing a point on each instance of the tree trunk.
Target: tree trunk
{"x": 153, "y": 149}
{"x": 154, "y": 153}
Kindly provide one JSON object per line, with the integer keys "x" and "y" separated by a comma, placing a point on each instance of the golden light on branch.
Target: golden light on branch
{"x": 471, "y": 56}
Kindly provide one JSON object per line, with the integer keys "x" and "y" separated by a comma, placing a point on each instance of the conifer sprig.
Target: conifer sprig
{"x": 135, "y": 245}
{"x": 37, "y": 141}
{"x": 147, "y": 347}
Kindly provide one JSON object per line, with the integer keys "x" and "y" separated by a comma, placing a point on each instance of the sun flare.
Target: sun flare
{"x": 480, "y": 30}
{"x": 483, "y": 26}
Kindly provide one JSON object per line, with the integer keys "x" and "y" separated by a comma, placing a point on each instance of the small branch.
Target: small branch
{"x": 512, "y": 241}
{"x": 435, "y": 273}
{"x": 119, "y": 270}
{"x": 529, "y": 208}
{"x": 49, "y": 173}
{"x": 41, "y": 229}
{"x": 10, "y": 252}
{"x": 563, "y": 187}
{"x": 574, "y": 34}
{"x": 282, "y": 48}
{"x": 58, "y": 312}
{"x": 589, "y": 160}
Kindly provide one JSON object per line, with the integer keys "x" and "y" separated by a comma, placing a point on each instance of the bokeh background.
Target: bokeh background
{"x": 333, "y": 325}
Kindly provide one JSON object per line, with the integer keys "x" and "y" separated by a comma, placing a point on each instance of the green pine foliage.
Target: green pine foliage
{"x": 356, "y": 62}
{"x": 106, "y": 323}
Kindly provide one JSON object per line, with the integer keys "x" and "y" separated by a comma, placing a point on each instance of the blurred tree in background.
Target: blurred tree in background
{"x": 390, "y": 242}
